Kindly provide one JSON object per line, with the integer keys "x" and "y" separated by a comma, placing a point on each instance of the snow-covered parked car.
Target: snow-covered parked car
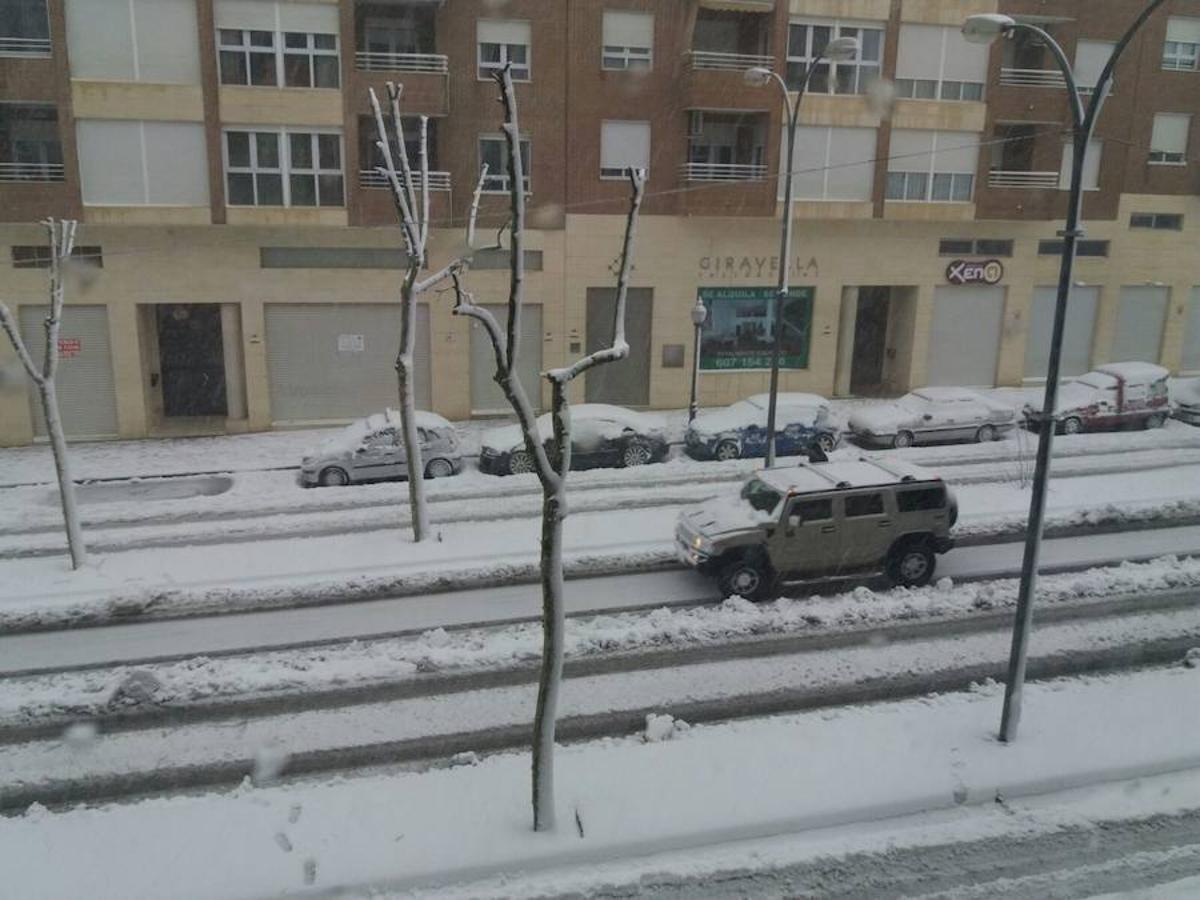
{"x": 739, "y": 431}
{"x": 1117, "y": 395}
{"x": 933, "y": 414}
{"x": 1185, "y": 398}
{"x": 601, "y": 436}
{"x": 372, "y": 449}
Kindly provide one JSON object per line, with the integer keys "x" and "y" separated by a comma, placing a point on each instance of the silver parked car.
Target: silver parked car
{"x": 371, "y": 449}
{"x": 933, "y": 414}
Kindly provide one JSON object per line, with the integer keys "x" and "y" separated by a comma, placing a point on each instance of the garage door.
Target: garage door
{"x": 1141, "y": 316}
{"x": 964, "y": 339}
{"x": 87, "y": 397}
{"x": 336, "y": 361}
{"x": 627, "y": 381}
{"x": 1191, "y": 335}
{"x": 1077, "y": 334}
{"x": 486, "y": 396}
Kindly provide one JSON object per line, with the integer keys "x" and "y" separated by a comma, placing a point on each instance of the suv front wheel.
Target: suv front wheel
{"x": 911, "y": 564}
{"x": 749, "y": 577}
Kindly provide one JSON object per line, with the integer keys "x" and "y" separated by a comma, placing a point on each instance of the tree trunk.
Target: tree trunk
{"x": 410, "y": 436}
{"x": 62, "y": 465}
{"x": 553, "y": 633}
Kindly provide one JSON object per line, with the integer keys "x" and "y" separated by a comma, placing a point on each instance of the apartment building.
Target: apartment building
{"x": 239, "y": 259}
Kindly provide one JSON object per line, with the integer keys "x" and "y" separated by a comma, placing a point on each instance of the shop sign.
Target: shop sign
{"x": 739, "y": 332}
{"x": 351, "y": 343}
{"x": 965, "y": 271}
{"x": 716, "y": 267}
{"x": 69, "y": 347}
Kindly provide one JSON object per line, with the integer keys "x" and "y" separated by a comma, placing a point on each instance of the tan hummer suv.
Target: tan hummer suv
{"x": 821, "y": 520}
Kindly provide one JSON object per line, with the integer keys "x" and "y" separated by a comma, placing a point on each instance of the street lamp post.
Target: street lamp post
{"x": 699, "y": 314}
{"x": 983, "y": 29}
{"x": 838, "y": 49}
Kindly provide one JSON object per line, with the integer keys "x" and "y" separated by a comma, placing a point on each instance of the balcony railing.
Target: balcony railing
{"x": 695, "y": 171}
{"x": 438, "y": 181}
{"x": 729, "y": 62}
{"x": 1011, "y": 178}
{"x": 16, "y": 46}
{"x": 1051, "y": 78}
{"x": 434, "y": 63}
{"x": 11, "y": 172}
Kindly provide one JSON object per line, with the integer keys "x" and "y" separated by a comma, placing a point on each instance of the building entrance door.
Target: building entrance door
{"x": 870, "y": 340}
{"x": 191, "y": 359}
{"x": 626, "y": 382}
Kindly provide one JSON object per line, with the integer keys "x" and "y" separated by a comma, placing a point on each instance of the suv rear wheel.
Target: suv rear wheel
{"x": 749, "y": 577}
{"x": 911, "y": 564}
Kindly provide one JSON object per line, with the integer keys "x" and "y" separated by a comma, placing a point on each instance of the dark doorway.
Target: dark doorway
{"x": 870, "y": 340}
{"x": 191, "y": 359}
{"x": 626, "y": 382}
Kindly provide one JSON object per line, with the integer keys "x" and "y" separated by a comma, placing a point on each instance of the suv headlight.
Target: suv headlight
{"x": 701, "y": 545}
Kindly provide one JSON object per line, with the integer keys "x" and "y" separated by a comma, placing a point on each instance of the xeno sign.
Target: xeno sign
{"x": 963, "y": 271}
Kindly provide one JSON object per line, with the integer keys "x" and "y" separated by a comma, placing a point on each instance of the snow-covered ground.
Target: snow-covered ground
{"x": 675, "y": 788}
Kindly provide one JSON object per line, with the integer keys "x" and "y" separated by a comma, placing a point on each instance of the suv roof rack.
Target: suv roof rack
{"x": 891, "y": 470}
{"x": 841, "y": 485}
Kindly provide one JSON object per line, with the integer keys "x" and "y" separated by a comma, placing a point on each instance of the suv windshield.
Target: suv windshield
{"x": 761, "y": 496}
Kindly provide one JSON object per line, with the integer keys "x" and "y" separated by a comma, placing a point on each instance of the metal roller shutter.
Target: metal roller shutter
{"x": 336, "y": 361}
{"x": 1141, "y": 317}
{"x": 1191, "y": 335}
{"x": 964, "y": 338}
{"x": 87, "y": 395}
{"x": 486, "y": 396}
{"x": 1077, "y": 335}
{"x": 627, "y": 381}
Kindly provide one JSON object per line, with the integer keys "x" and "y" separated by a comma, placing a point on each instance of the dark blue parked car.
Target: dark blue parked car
{"x": 740, "y": 431}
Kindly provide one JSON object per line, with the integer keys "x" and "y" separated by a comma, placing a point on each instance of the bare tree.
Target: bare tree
{"x": 550, "y": 463}
{"x": 62, "y": 242}
{"x": 410, "y": 192}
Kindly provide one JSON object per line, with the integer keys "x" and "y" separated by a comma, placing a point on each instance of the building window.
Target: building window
{"x": 628, "y": 40}
{"x": 980, "y": 247}
{"x": 1181, "y": 51}
{"x": 310, "y": 60}
{"x": 493, "y": 152}
{"x": 1091, "y": 166}
{"x": 150, "y": 41}
{"x": 500, "y": 43}
{"x": 1082, "y": 248}
{"x": 623, "y": 146}
{"x": 956, "y": 247}
{"x": 247, "y": 57}
{"x": 271, "y": 44}
{"x": 937, "y": 63}
{"x": 1157, "y": 221}
{"x": 24, "y": 28}
{"x": 30, "y": 149}
{"x": 830, "y": 163}
{"x": 932, "y": 166}
{"x": 1169, "y": 139}
{"x": 806, "y": 40}
{"x": 132, "y": 163}
{"x": 37, "y": 256}
{"x": 991, "y": 247}
{"x": 255, "y": 167}
{"x": 1090, "y": 59}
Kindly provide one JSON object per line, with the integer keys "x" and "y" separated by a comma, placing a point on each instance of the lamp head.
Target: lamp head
{"x": 699, "y": 313}
{"x": 986, "y": 27}
{"x": 840, "y": 49}
{"x": 757, "y": 76}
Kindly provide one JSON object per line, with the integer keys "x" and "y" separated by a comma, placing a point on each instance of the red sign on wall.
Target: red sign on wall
{"x": 69, "y": 347}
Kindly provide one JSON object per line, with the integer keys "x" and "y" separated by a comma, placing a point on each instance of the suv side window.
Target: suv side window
{"x": 813, "y": 510}
{"x": 921, "y": 499}
{"x": 864, "y": 505}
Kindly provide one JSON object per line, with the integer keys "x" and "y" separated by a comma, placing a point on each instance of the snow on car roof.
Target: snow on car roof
{"x": 1134, "y": 371}
{"x": 602, "y": 411}
{"x": 946, "y": 394}
{"x": 789, "y": 398}
{"x": 806, "y": 478}
{"x": 424, "y": 418}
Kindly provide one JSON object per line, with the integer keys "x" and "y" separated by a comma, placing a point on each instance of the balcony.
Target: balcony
{"x": 23, "y": 46}
{"x": 722, "y": 172}
{"x": 712, "y": 60}
{"x": 385, "y": 61}
{"x": 370, "y": 178}
{"x": 1014, "y": 178}
{"x": 15, "y": 172}
{"x": 1047, "y": 78}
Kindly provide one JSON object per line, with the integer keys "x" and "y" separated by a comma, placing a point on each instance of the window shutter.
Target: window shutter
{"x": 100, "y": 36}
{"x": 167, "y": 50}
{"x": 628, "y": 29}
{"x": 964, "y": 61}
{"x": 110, "y": 162}
{"x": 956, "y": 151}
{"x": 1170, "y": 134}
{"x": 624, "y": 145}
{"x": 920, "y": 52}
{"x": 1185, "y": 31}
{"x": 176, "y": 163}
{"x": 1090, "y": 59}
{"x": 808, "y": 178}
{"x": 1091, "y": 166}
{"x": 503, "y": 31}
{"x": 317, "y": 18}
{"x": 258, "y": 15}
{"x": 852, "y": 162}
{"x": 910, "y": 151}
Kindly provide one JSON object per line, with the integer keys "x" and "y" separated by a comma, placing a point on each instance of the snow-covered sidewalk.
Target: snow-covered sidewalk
{"x": 618, "y": 799}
